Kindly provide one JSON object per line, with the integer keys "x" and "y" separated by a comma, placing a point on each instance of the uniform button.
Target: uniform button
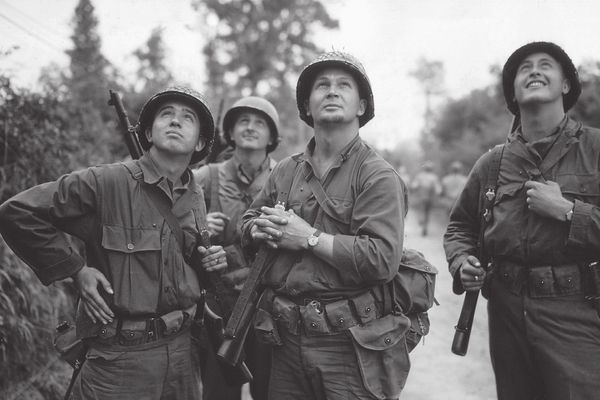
{"x": 103, "y": 331}
{"x": 314, "y": 324}
{"x": 130, "y": 334}
{"x": 542, "y": 282}
{"x": 130, "y": 246}
{"x": 341, "y": 321}
{"x": 505, "y": 275}
{"x": 387, "y": 340}
{"x": 154, "y": 225}
{"x": 368, "y": 309}
{"x": 427, "y": 268}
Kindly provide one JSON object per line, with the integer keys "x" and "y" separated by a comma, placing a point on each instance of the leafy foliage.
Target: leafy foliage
{"x": 259, "y": 47}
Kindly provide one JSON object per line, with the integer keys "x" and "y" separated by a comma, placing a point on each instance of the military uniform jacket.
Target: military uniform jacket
{"x": 125, "y": 236}
{"x": 368, "y": 198}
{"x": 517, "y": 234}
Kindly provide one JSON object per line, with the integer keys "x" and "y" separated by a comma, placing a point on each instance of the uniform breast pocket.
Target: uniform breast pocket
{"x": 133, "y": 256}
{"x": 583, "y": 187}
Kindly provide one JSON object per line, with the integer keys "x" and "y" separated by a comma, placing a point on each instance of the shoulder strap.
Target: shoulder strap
{"x": 286, "y": 181}
{"x": 213, "y": 197}
{"x": 162, "y": 205}
{"x": 488, "y": 194}
{"x": 134, "y": 169}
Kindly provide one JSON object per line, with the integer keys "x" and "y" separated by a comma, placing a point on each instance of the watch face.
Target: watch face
{"x": 312, "y": 241}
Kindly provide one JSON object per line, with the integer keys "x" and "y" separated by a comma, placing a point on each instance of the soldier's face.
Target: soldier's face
{"x": 540, "y": 80}
{"x": 334, "y": 98}
{"x": 176, "y": 129}
{"x": 251, "y": 131}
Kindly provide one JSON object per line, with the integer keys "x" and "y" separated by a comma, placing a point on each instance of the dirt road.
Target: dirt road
{"x": 436, "y": 373}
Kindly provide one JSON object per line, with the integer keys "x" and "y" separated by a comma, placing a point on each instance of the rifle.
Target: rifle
{"x": 218, "y": 144}
{"x": 129, "y": 132}
{"x": 239, "y": 373}
{"x": 238, "y": 324}
{"x": 245, "y": 306}
{"x": 460, "y": 343}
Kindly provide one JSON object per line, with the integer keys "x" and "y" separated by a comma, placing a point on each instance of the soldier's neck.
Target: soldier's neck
{"x": 540, "y": 123}
{"x": 250, "y": 160}
{"x": 170, "y": 166}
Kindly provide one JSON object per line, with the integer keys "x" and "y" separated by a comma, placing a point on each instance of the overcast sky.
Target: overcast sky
{"x": 389, "y": 36}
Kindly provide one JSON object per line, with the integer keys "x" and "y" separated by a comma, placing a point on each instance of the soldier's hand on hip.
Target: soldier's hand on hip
{"x": 213, "y": 259}
{"x": 546, "y": 199}
{"x": 87, "y": 280}
{"x": 472, "y": 274}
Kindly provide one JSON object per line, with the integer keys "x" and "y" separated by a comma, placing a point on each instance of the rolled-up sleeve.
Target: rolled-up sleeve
{"x": 374, "y": 252}
{"x": 34, "y": 224}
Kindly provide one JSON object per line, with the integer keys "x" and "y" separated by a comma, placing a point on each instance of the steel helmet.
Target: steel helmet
{"x": 256, "y": 104}
{"x": 509, "y": 73}
{"x": 334, "y": 59}
{"x": 194, "y": 100}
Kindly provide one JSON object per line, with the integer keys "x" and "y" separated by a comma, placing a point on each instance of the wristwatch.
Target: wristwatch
{"x": 569, "y": 214}
{"x": 313, "y": 239}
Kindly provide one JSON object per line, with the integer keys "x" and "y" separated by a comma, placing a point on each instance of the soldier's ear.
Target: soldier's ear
{"x": 362, "y": 107}
{"x": 566, "y": 87}
{"x": 148, "y": 134}
{"x": 306, "y": 107}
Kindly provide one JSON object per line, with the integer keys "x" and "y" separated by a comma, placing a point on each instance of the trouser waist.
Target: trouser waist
{"x": 131, "y": 332}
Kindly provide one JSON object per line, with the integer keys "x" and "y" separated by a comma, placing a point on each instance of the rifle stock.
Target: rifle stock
{"x": 239, "y": 322}
{"x": 234, "y": 374}
{"x": 460, "y": 344}
{"x": 129, "y": 133}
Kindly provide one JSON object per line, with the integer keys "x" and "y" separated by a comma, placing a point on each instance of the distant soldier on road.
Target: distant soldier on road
{"x": 452, "y": 185}
{"x": 425, "y": 189}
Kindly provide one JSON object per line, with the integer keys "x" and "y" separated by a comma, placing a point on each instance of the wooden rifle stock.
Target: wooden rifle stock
{"x": 243, "y": 311}
{"x": 234, "y": 374}
{"x": 129, "y": 133}
{"x": 460, "y": 344}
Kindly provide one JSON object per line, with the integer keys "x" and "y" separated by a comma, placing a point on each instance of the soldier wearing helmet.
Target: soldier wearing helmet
{"x": 543, "y": 235}
{"x": 333, "y": 219}
{"x": 138, "y": 291}
{"x": 251, "y": 128}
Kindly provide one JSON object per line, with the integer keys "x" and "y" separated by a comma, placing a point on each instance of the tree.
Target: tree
{"x": 430, "y": 75}
{"x": 152, "y": 74}
{"x": 259, "y": 47}
{"x": 587, "y": 108}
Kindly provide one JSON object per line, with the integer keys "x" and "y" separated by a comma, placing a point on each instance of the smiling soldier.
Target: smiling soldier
{"x": 251, "y": 127}
{"x": 543, "y": 236}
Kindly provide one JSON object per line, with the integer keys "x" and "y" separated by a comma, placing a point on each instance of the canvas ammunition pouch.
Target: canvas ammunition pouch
{"x": 382, "y": 354}
{"x": 70, "y": 348}
{"x": 539, "y": 281}
{"x": 133, "y": 332}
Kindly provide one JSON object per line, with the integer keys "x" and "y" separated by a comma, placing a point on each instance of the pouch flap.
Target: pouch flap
{"x": 414, "y": 259}
{"x": 381, "y": 333}
{"x": 130, "y": 240}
